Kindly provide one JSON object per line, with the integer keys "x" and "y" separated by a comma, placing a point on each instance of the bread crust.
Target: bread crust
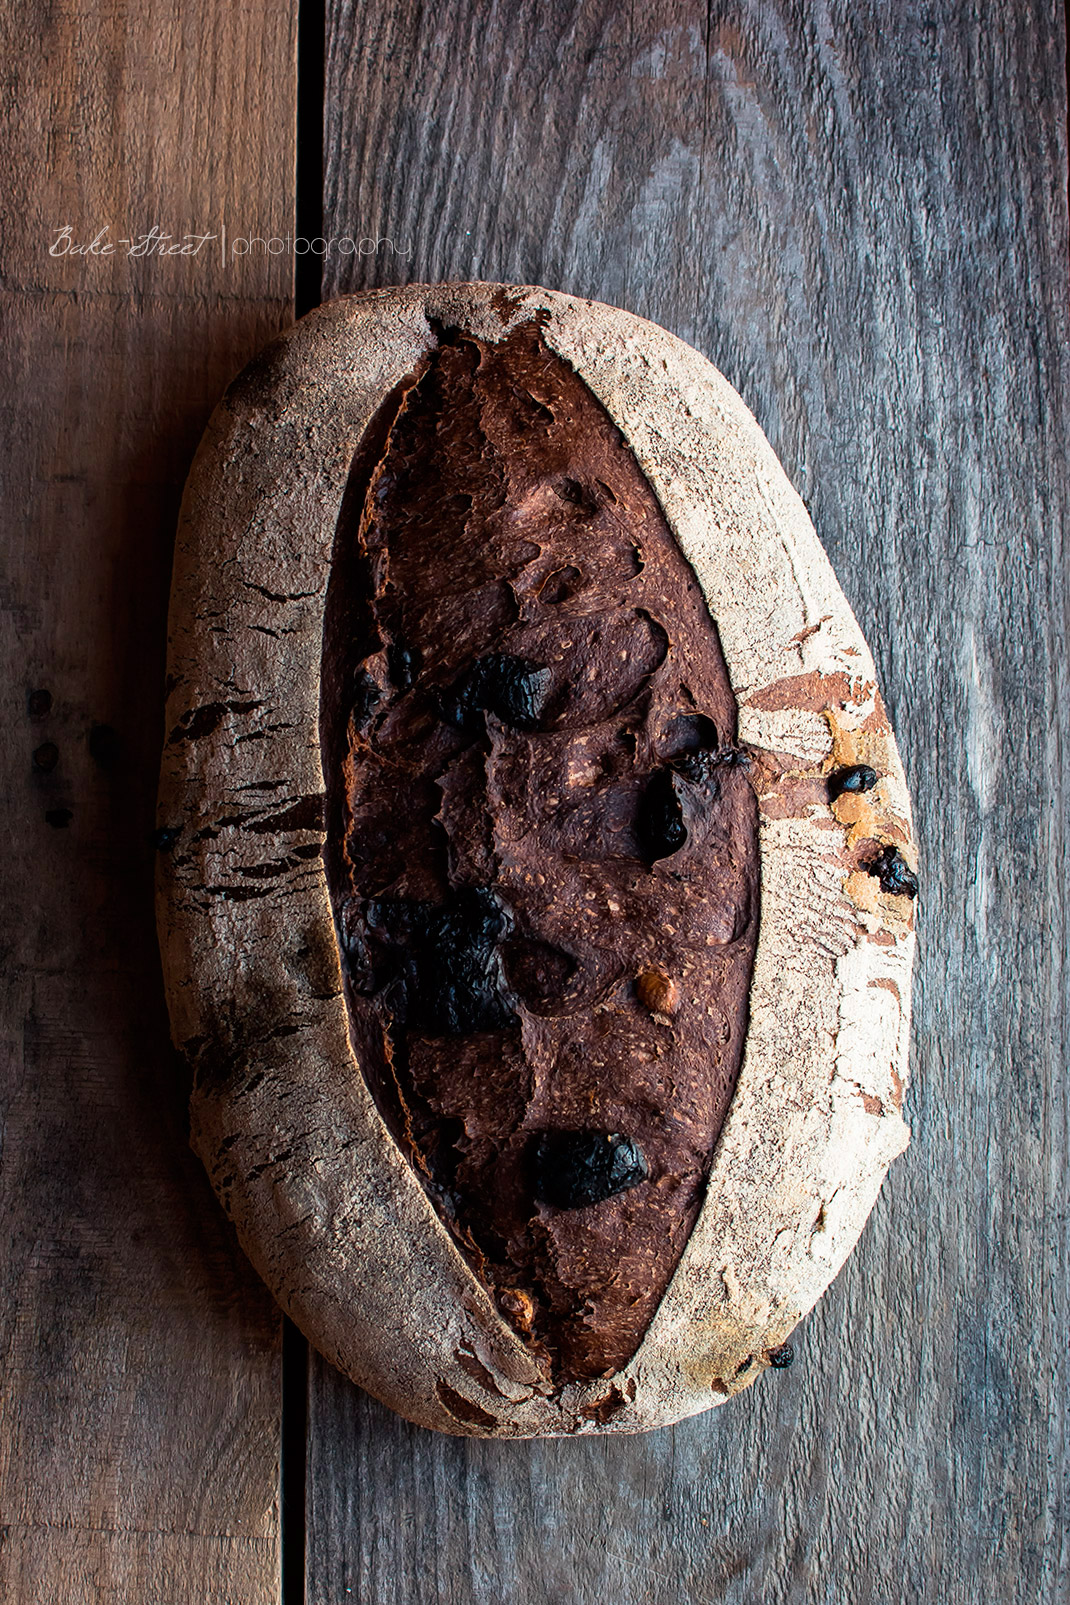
{"x": 326, "y": 1205}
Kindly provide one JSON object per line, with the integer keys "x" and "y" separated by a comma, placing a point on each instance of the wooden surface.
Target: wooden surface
{"x": 141, "y": 1363}
{"x": 859, "y": 213}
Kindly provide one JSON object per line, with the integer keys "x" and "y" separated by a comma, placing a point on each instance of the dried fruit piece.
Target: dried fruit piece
{"x": 518, "y": 1306}
{"x": 662, "y": 831}
{"x": 893, "y": 872}
{"x": 404, "y": 663}
{"x": 574, "y": 1169}
{"x": 443, "y": 961}
{"x": 858, "y": 777}
{"x": 657, "y": 992}
{"x": 514, "y": 689}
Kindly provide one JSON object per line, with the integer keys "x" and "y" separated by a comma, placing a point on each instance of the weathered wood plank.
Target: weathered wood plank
{"x": 861, "y": 218}
{"x": 141, "y": 1367}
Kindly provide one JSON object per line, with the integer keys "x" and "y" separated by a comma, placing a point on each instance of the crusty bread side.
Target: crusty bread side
{"x": 326, "y": 1205}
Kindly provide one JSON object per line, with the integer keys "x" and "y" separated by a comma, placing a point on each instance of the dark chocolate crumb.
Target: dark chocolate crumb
{"x": 562, "y": 584}
{"x": 60, "y": 818}
{"x": 165, "y": 838}
{"x": 574, "y": 1169}
{"x": 577, "y": 495}
{"x": 104, "y": 745}
{"x": 415, "y": 808}
{"x": 662, "y": 831}
{"x": 893, "y": 872}
{"x": 691, "y": 732}
{"x": 46, "y": 756}
{"x": 537, "y": 972}
{"x": 859, "y": 777}
{"x": 781, "y": 1358}
{"x": 39, "y": 704}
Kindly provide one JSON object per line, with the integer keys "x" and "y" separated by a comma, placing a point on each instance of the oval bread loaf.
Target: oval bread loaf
{"x": 537, "y": 896}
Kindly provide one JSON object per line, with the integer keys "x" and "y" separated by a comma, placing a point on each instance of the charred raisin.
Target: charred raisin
{"x": 662, "y": 831}
{"x": 513, "y": 689}
{"x": 394, "y": 919}
{"x": 573, "y": 1169}
{"x": 734, "y": 758}
{"x": 404, "y": 663}
{"x": 437, "y": 965}
{"x": 698, "y": 768}
{"x": 859, "y": 777}
{"x": 893, "y": 872}
{"x": 366, "y": 698}
{"x": 458, "y": 976}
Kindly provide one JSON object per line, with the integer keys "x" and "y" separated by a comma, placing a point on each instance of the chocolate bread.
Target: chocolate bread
{"x": 543, "y": 839}
{"x": 535, "y": 878}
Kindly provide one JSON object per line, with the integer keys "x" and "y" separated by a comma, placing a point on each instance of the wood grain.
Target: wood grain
{"x": 141, "y": 1375}
{"x": 860, "y": 216}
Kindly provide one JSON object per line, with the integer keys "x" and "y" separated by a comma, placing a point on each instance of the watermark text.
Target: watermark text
{"x": 156, "y": 242}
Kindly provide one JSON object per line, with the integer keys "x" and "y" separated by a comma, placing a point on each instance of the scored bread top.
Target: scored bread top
{"x": 326, "y": 1203}
{"x": 542, "y": 841}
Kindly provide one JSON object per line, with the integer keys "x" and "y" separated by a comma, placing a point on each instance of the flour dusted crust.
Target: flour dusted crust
{"x": 327, "y": 1206}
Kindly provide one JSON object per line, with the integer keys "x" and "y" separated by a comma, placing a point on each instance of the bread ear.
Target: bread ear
{"x": 327, "y": 1207}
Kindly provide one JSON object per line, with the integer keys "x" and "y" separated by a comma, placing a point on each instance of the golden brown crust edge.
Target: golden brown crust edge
{"x": 328, "y": 1209}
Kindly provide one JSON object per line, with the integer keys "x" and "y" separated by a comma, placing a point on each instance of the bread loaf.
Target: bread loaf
{"x": 537, "y": 905}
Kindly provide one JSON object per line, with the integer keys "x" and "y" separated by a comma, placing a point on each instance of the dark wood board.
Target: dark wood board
{"x": 859, "y": 213}
{"x": 141, "y": 1378}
